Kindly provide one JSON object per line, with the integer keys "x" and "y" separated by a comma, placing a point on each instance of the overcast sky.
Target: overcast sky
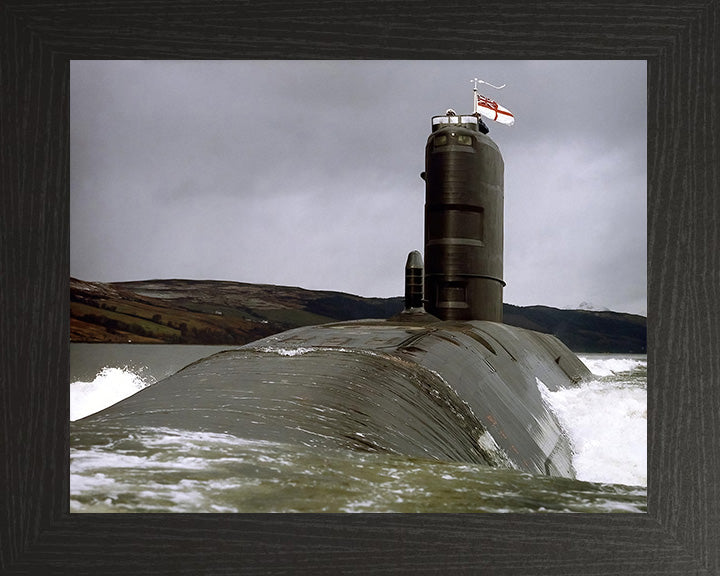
{"x": 307, "y": 173}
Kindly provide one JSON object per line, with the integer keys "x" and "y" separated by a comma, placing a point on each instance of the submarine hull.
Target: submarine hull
{"x": 453, "y": 391}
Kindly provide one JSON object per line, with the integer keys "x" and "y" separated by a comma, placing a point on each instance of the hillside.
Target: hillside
{"x": 583, "y": 330}
{"x": 221, "y": 312}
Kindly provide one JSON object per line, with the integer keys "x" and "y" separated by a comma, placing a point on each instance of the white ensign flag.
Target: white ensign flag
{"x": 493, "y": 110}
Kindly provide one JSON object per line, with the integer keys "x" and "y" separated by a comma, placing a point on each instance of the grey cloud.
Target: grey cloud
{"x": 307, "y": 173}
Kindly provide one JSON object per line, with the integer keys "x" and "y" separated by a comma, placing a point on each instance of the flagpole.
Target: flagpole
{"x": 475, "y": 99}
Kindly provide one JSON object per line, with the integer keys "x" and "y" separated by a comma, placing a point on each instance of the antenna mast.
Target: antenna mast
{"x": 475, "y": 82}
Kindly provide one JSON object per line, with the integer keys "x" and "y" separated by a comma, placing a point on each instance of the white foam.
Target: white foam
{"x": 607, "y": 423}
{"x": 610, "y": 366}
{"x": 109, "y": 386}
{"x": 303, "y": 350}
{"x": 289, "y": 352}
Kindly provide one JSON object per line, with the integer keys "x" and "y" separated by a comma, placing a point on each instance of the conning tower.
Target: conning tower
{"x": 463, "y": 220}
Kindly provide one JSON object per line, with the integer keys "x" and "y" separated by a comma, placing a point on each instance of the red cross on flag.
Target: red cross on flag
{"x": 493, "y": 110}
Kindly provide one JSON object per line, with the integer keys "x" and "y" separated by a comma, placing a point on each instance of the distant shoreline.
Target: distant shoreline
{"x": 234, "y": 313}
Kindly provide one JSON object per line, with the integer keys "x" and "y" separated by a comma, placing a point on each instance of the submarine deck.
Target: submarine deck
{"x": 413, "y": 385}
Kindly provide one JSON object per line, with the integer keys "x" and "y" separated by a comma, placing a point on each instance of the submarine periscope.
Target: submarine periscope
{"x": 444, "y": 379}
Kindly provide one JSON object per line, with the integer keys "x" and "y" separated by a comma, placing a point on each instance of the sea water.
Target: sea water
{"x": 170, "y": 470}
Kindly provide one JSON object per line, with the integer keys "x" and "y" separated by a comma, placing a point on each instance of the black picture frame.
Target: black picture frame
{"x": 680, "y": 534}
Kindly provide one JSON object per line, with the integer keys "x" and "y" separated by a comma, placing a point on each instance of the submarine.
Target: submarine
{"x": 444, "y": 379}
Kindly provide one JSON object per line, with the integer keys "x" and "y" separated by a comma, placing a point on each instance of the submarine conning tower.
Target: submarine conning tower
{"x": 463, "y": 220}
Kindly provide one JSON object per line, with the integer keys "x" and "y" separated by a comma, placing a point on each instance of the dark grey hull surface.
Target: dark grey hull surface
{"x": 461, "y": 391}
